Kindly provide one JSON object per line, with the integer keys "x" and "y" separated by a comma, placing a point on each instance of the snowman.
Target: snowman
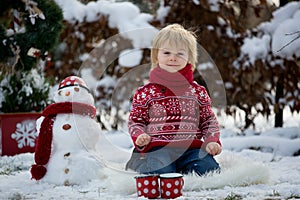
{"x": 68, "y": 134}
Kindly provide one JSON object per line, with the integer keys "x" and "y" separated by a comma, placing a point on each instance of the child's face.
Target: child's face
{"x": 172, "y": 59}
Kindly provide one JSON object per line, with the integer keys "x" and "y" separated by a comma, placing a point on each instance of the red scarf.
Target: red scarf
{"x": 177, "y": 82}
{"x": 44, "y": 140}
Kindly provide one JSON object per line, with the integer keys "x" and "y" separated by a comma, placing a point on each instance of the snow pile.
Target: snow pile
{"x": 259, "y": 47}
{"x": 122, "y": 15}
{"x": 284, "y": 28}
{"x": 130, "y": 58}
{"x": 249, "y": 173}
{"x": 279, "y": 35}
{"x": 9, "y": 165}
{"x": 236, "y": 171}
{"x": 279, "y": 141}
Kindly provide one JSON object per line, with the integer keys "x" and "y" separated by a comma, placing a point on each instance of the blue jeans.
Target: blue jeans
{"x": 168, "y": 160}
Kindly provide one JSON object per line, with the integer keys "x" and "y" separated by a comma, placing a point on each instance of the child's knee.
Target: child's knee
{"x": 203, "y": 166}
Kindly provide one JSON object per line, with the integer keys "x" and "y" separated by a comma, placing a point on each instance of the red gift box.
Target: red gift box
{"x": 18, "y": 133}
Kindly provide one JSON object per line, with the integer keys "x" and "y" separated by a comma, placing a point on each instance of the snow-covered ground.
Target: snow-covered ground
{"x": 255, "y": 165}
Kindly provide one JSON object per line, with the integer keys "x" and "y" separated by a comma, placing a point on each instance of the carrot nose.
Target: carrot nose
{"x": 67, "y": 93}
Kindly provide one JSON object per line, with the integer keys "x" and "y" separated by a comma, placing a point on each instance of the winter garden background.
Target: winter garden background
{"x": 249, "y": 62}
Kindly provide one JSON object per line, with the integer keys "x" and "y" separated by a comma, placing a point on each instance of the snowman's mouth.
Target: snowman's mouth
{"x": 76, "y": 85}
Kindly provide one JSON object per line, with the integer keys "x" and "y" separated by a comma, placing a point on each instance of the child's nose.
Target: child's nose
{"x": 173, "y": 57}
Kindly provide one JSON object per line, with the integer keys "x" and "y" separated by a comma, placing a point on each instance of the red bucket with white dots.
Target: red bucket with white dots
{"x": 171, "y": 185}
{"x": 147, "y": 186}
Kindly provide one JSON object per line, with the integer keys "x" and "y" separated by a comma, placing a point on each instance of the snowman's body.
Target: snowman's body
{"x": 72, "y": 161}
{"x": 74, "y": 139}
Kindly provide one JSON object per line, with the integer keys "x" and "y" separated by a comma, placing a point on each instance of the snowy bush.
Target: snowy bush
{"x": 26, "y": 41}
{"x": 24, "y": 91}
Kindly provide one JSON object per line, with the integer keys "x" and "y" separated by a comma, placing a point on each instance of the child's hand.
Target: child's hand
{"x": 213, "y": 148}
{"x": 143, "y": 140}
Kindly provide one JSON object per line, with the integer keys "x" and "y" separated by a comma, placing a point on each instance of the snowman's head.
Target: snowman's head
{"x": 73, "y": 89}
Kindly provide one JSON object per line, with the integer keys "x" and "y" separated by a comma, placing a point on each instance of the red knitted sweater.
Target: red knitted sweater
{"x": 172, "y": 116}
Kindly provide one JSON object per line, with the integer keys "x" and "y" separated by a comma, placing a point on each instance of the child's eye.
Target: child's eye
{"x": 166, "y": 52}
{"x": 181, "y": 54}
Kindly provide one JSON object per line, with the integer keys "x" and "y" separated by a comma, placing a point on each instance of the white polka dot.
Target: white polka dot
{"x": 153, "y": 191}
{"x": 176, "y": 191}
{"x": 72, "y": 78}
{"x": 176, "y": 182}
{"x": 153, "y": 183}
{"x": 146, "y": 182}
{"x": 68, "y": 83}
{"x": 139, "y": 193}
{"x": 168, "y": 193}
{"x": 139, "y": 185}
{"x": 162, "y": 183}
{"x": 146, "y": 190}
{"x": 169, "y": 185}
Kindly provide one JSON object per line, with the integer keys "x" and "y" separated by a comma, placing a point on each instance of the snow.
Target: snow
{"x": 122, "y": 15}
{"x": 162, "y": 11}
{"x": 256, "y": 164}
{"x": 107, "y": 82}
{"x": 277, "y": 34}
{"x": 86, "y": 74}
{"x": 256, "y": 47}
{"x": 130, "y": 57}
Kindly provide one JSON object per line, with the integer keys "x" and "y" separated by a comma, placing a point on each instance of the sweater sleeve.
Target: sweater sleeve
{"x": 138, "y": 119}
{"x": 208, "y": 123}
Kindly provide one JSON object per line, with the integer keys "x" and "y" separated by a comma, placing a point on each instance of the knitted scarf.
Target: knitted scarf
{"x": 177, "y": 82}
{"x": 44, "y": 140}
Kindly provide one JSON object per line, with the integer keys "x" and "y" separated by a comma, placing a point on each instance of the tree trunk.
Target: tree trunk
{"x": 278, "y": 96}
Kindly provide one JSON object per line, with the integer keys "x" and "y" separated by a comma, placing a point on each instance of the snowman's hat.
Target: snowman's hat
{"x": 73, "y": 81}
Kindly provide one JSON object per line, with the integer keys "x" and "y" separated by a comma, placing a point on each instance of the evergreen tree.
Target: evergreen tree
{"x": 29, "y": 30}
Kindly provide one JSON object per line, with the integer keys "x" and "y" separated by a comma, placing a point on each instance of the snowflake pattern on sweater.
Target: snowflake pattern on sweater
{"x": 184, "y": 121}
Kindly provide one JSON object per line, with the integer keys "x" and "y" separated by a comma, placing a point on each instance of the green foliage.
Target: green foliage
{"x": 4, "y": 52}
{"x": 24, "y": 92}
{"x": 42, "y": 35}
{"x": 23, "y": 87}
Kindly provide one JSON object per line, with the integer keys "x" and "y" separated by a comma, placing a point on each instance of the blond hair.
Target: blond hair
{"x": 176, "y": 35}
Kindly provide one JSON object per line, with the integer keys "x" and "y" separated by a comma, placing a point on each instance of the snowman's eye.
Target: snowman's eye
{"x": 59, "y": 93}
{"x": 76, "y": 89}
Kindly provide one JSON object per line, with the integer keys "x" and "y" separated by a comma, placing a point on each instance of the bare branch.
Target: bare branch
{"x": 297, "y": 32}
{"x": 293, "y": 33}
